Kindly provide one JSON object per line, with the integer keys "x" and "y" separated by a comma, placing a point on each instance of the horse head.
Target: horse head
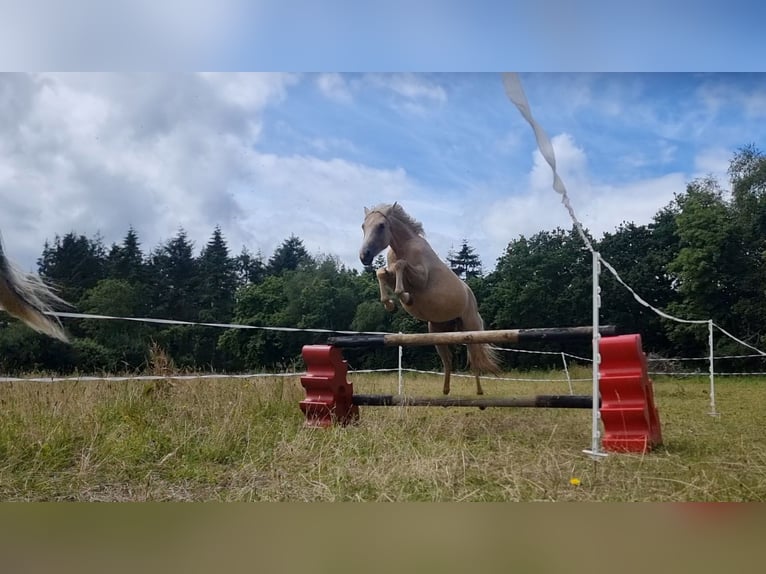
{"x": 377, "y": 235}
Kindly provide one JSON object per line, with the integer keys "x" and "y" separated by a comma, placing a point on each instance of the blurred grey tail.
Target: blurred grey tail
{"x": 29, "y": 299}
{"x": 483, "y": 359}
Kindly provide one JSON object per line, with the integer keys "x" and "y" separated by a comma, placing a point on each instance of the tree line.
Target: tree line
{"x": 702, "y": 256}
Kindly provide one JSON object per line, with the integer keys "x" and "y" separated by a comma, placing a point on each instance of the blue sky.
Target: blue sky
{"x": 269, "y": 155}
{"x": 421, "y": 35}
{"x": 488, "y": 35}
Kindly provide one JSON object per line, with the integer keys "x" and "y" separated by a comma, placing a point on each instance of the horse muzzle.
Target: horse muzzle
{"x": 366, "y": 256}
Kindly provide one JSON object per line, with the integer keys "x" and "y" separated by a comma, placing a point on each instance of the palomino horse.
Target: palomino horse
{"x": 26, "y": 297}
{"x": 427, "y": 288}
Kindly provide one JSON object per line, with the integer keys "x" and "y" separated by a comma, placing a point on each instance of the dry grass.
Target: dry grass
{"x": 243, "y": 440}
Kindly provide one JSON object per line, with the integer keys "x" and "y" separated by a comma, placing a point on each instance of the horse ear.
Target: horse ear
{"x": 395, "y": 204}
{"x": 366, "y": 212}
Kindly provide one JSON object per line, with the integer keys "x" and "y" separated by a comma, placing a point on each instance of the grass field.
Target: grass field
{"x": 242, "y": 440}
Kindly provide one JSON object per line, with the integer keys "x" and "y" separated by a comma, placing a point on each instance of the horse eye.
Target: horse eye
{"x": 381, "y": 226}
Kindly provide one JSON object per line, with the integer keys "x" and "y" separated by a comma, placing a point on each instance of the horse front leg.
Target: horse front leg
{"x": 398, "y": 269}
{"x": 386, "y": 283}
{"x": 417, "y": 278}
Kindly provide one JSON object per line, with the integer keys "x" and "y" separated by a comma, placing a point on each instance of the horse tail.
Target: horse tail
{"x": 483, "y": 358}
{"x": 29, "y": 299}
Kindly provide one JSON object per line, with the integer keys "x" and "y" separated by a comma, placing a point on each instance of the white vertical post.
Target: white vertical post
{"x": 401, "y": 381}
{"x": 595, "y": 447}
{"x": 566, "y": 371}
{"x": 711, "y": 368}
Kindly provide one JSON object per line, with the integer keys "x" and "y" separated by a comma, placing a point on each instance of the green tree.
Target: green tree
{"x": 289, "y": 256}
{"x": 249, "y": 268}
{"x": 217, "y": 280}
{"x": 73, "y": 264}
{"x": 263, "y": 305}
{"x": 216, "y": 294}
{"x": 543, "y": 281}
{"x": 466, "y": 263}
{"x": 174, "y": 279}
{"x": 640, "y": 254}
{"x": 708, "y": 264}
{"x": 126, "y": 261}
{"x": 747, "y": 171}
{"x": 23, "y": 351}
{"x": 124, "y": 343}
{"x": 323, "y": 295}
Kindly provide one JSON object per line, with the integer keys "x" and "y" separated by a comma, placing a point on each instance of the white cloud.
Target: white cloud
{"x": 409, "y": 92}
{"x": 571, "y": 163}
{"x": 251, "y": 92}
{"x": 413, "y": 94}
{"x": 335, "y": 87}
{"x": 333, "y": 146}
{"x": 97, "y": 153}
{"x": 416, "y": 88}
{"x": 320, "y": 201}
{"x": 713, "y": 161}
{"x": 717, "y": 94}
{"x": 600, "y": 207}
{"x": 755, "y": 105}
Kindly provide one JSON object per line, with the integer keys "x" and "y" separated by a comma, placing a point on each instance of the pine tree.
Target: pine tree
{"x": 289, "y": 256}
{"x": 465, "y": 263}
{"x": 249, "y": 268}
{"x": 174, "y": 279}
{"x": 126, "y": 261}
{"x": 73, "y": 264}
{"x": 218, "y": 280}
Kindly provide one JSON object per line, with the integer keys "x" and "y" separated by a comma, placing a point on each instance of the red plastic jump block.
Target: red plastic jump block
{"x": 328, "y": 395}
{"x": 630, "y": 418}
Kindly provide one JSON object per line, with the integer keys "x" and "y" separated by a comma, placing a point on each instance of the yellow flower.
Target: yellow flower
{"x": 574, "y": 481}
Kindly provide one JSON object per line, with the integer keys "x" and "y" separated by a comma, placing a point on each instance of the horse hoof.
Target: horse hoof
{"x": 389, "y": 305}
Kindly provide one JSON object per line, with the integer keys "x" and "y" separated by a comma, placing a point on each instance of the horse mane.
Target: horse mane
{"x": 397, "y": 211}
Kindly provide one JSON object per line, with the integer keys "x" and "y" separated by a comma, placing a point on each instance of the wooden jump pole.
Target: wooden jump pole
{"x": 470, "y": 337}
{"x": 539, "y": 401}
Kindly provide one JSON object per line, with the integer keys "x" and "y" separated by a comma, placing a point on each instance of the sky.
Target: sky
{"x": 269, "y": 155}
{"x": 419, "y": 35}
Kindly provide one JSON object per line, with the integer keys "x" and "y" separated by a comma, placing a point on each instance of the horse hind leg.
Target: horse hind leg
{"x": 472, "y": 349}
{"x": 479, "y": 390}
{"x": 445, "y": 353}
{"x": 481, "y": 357}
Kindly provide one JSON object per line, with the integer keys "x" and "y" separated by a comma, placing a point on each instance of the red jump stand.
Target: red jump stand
{"x": 630, "y": 418}
{"x": 328, "y": 394}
